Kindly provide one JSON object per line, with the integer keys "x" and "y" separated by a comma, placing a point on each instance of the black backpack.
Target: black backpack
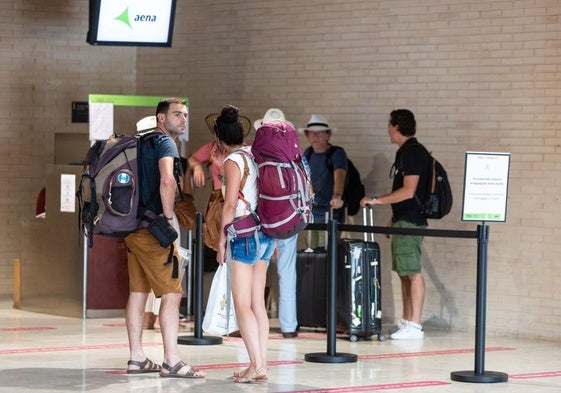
{"x": 354, "y": 190}
{"x": 438, "y": 201}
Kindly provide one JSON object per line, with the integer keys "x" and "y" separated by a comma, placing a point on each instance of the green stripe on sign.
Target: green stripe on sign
{"x": 128, "y": 100}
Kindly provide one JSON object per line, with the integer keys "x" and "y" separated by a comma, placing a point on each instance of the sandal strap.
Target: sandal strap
{"x": 192, "y": 371}
{"x": 136, "y": 363}
{"x": 175, "y": 368}
{"x": 142, "y": 365}
{"x": 259, "y": 371}
{"x": 178, "y": 366}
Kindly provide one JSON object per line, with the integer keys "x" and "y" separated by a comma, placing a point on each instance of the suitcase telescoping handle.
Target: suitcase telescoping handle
{"x": 368, "y": 220}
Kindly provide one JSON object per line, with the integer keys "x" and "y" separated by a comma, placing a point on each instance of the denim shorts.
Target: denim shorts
{"x": 406, "y": 250}
{"x": 247, "y": 250}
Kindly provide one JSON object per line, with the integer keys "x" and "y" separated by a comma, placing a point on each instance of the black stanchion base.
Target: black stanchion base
{"x": 192, "y": 340}
{"x": 322, "y": 357}
{"x": 472, "y": 376}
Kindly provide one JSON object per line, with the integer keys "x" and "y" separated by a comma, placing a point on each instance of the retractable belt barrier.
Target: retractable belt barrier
{"x": 331, "y": 355}
{"x": 478, "y": 375}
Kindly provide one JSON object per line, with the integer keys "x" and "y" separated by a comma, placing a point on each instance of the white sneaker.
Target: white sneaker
{"x": 412, "y": 331}
{"x": 400, "y": 325}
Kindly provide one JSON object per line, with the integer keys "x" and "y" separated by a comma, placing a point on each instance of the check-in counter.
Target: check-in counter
{"x": 53, "y": 260}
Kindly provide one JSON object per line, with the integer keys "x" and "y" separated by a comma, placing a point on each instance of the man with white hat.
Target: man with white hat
{"x": 286, "y": 260}
{"x": 328, "y": 166}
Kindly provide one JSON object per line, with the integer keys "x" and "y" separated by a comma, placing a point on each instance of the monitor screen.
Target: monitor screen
{"x": 131, "y": 22}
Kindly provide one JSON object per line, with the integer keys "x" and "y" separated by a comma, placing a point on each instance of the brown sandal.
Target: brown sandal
{"x": 147, "y": 366}
{"x": 173, "y": 371}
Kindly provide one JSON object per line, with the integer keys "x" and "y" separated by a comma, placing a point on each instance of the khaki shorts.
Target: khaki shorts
{"x": 147, "y": 265}
{"x": 406, "y": 250}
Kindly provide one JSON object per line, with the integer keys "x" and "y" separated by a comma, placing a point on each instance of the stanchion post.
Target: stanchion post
{"x": 479, "y": 375}
{"x": 198, "y": 338}
{"x": 331, "y": 356}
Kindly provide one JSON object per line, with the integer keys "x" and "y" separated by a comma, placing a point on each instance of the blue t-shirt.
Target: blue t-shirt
{"x": 323, "y": 181}
{"x": 152, "y": 151}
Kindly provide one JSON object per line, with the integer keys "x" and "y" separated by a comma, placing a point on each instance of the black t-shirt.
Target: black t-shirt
{"x": 411, "y": 159}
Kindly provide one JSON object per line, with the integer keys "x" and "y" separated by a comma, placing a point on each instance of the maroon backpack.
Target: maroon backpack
{"x": 284, "y": 181}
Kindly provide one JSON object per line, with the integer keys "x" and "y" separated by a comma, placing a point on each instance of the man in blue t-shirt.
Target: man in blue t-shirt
{"x": 147, "y": 265}
{"x": 328, "y": 170}
{"x": 410, "y": 174}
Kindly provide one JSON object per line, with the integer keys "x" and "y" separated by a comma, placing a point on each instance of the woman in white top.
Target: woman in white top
{"x": 249, "y": 256}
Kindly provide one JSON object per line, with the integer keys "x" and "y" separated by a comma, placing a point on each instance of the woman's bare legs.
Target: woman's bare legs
{"x": 248, "y": 292}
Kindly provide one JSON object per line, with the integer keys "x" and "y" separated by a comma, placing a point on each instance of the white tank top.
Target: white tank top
{"x": 250, "y": 188}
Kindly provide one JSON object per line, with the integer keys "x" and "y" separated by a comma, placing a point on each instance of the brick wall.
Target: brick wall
{"x": 479, "y": 75}
{"x": 45, "y": 64}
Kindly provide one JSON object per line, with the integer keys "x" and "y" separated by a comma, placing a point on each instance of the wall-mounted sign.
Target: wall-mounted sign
{"x": 485, "y": 186}
{"x": 67, "y": 193}
{"x": 80, "y": 112}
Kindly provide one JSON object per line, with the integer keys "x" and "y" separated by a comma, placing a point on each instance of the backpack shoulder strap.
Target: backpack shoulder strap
{"x": 244, "y": 178}
{"x": 332, "y": 149}
{"x": 308, "y": 153}
{"x": 328, "y": 154}
{"x": 245, "y": 170}
{"x": 432, "y": 177}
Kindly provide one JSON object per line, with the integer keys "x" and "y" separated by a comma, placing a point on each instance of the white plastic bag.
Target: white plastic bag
{"x": 220, "y": 317}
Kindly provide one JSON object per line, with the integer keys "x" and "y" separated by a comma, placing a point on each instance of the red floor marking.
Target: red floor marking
{"x": 536, "y": 375}
{"x": 75, "y": 348}
{"x": 26, "y": 329}
{"x": 430, "y": 353}
{"x": 241, "y": 365}
{"x": 369, "y": 388}
{"x": 278, "y": 336}
{"x": 217, "y": 366}
{"x": 124, "y": 325}
{"x": 117, "y": 371}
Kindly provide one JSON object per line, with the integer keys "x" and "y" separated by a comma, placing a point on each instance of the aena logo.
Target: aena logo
{"x": 124, "y": 17}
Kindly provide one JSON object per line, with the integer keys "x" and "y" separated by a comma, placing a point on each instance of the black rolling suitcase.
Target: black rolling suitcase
{"x": 359, "y": 309}
{"x": 311, "y": 288}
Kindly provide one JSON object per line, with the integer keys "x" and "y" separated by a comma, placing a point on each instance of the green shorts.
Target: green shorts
{"x": 406, "y": 250}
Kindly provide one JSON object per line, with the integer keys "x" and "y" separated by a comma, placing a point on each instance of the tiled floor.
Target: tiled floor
{"x": 45, "y": 353}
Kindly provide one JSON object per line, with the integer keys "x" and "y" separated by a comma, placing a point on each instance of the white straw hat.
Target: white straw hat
{"x": 317, "y": 123}
{"x": 147, "y": 123}
{"x": 272, "y": 114}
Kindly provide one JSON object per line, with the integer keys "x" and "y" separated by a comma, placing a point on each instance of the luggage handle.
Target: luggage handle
{"x": 328, "y": 216}
{"x": 368, "y": 220}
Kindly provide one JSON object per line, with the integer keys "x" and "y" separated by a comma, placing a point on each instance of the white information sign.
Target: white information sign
{"x": 101, "y": 120}
{"x": 68, "y": 193}
{"x": 485, "y": 186}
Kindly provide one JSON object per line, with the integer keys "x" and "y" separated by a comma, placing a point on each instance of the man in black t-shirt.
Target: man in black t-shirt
{"x": 410, "y": 174}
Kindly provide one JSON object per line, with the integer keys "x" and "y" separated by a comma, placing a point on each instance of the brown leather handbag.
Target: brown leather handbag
{"x": 213, "y": 220}
{"x": 185, "y": 211}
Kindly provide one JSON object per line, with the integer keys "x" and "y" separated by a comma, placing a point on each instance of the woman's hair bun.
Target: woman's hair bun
{"x": 229, "y": 114}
